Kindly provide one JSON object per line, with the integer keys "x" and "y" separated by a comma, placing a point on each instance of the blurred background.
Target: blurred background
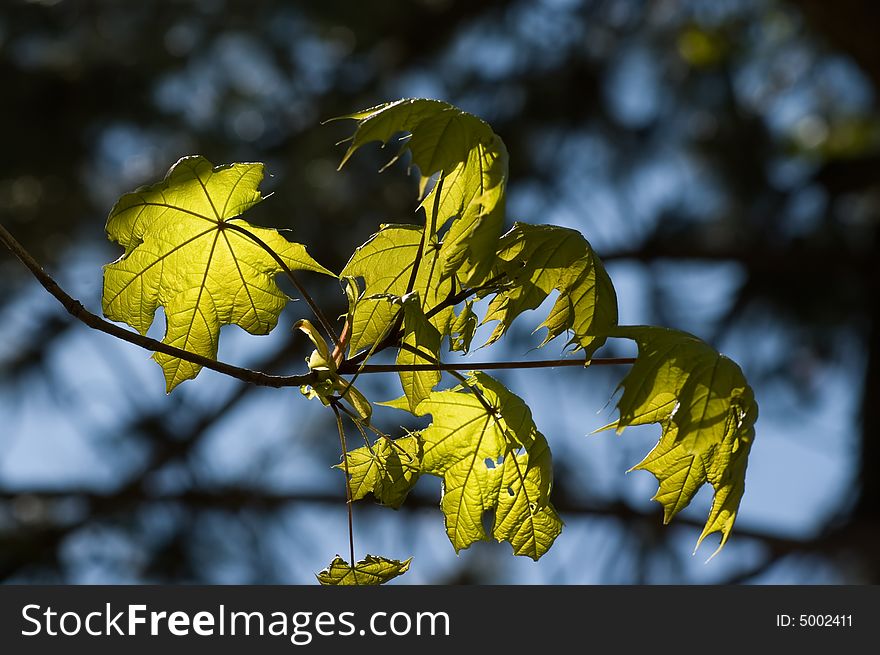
{"x": 723, "y": 157}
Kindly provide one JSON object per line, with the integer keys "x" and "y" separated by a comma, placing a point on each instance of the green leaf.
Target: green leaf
{"x": 472, "y": 162}
{"x": 329, "y": 383}
{"x": 387, "y": 469}
{"x": 441, "y": 136}
{"x": 320, "y": 359}
{"x": 491, "y": 458}
{"x": 707, "y": 412}
{"x": 371, "y": 570}
{"x": 385, "y": 263}
{"x": 421, "y": 345}
{"x": 180, "y": 254}
{"x": 473, "y": 194}
{"x": 462, "y": 329}
{"x": 540, "y": 258}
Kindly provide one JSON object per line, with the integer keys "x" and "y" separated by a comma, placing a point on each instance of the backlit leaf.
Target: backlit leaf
{"x": 707, "y": 412}
{"x": 540, "y": 258}
{"x": 371, "y": 570}
{"x": 387, "y": 469}
{"x": 462, "y": 329}
{"x": 472, "y": 162}
{"x": 385, "y": 263}
{"x": 180, "y": 254}
{"x": 490, "y": 459}
{"x": 473, "y": 194}
{"x": 421, "y": 345}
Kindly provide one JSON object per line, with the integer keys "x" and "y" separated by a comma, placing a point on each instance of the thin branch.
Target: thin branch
{"x": 353, "y": 364}
{"x": 76, "y": 309}
{"x": 348, "y": 494}
{"x": 316, "y": 310}
{"x": 489, "y": 366}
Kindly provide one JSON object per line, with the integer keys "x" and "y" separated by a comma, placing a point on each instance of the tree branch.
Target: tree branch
{"x": 484, "y": 366}
{"x": 76, "y": 309}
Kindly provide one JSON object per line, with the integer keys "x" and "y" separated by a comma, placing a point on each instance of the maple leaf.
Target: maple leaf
{"x": 371, "y": 570}
{"x": 182, "y": 254}
{"x": 387, "y": 469}
{"x": 385, "y": 263}
{"x": 463, "y": 328}
{"x": 491, "y": 458}
{"x": 472, "y": 162}
{"x": 540, "y": 258}
{"x": 421, "y": 345}
{"x": 707, "y": 412}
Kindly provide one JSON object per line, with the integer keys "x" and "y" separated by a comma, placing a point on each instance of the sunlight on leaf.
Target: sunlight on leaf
{"x": 490, "y": 461}
{"x": 707, "y": 412}
{"x": 385, "y": 264}
{"x": 421, "y": 345}
{"x": 463, "y": 328}
{"x": 180, "y": 254}
{"x": 387, "y": 469}
{"x": 472, "y": 162}
{"x": 540, "y": 258}
{"x": 371, "y": 570}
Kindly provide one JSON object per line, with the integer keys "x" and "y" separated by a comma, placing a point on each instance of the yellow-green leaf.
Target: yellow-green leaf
{"x": 371, "y": 570}
{"x": 707, "y": 412}
{"x": 540, "y": 258}
{"x": 387, "y": 469}
{"x": 440, "y": 136}
{"x": 329, "y": 384}
{"x": 472, "y": 162}
{"x": 491, "y": 458}
{"x": 181, "y": 254}
{"x": 473, "y": 197}
{"x": 421, "y": 345}
{"x": 462, "y": 328}
{"x": 385, "y": 263}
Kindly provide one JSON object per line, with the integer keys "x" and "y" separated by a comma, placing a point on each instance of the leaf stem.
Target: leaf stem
{"x": 464, "y": 294}
{"x": 357, "y": 420}
{"x": 316, "y": 310}
{"x": 348, "y": 499}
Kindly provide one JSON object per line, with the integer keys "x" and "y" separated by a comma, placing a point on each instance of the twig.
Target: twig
{"x": 393, "y": 338}
{"x": 76, "y": 309}
{"x": 348, "y": 494}
{"x": 486, "y": 366}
